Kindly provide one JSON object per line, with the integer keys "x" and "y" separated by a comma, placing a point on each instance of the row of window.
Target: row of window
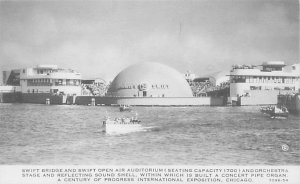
{"x": 36, "y": 91}
{"x": 43, "y": 71}
{"x": 55, "y": 82}
{"x": 271, "y": 88}
{"x": 251, "y": 79}
{"x": 143, "y": 87}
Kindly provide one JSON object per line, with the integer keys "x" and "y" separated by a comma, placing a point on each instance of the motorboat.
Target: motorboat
{"x": 121, "y": 125}
{"x": 125, "y": 108}
{"x": 279, "y": 112}
{"x": 275, "y": 111}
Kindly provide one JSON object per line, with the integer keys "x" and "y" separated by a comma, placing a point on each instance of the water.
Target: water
{"x": 65, "y": 134}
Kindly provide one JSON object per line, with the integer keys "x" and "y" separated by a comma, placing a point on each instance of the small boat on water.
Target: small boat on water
{"x": 121, "y": 125}
{"x": 275, "y": 111}
{"x": 125, "y": 108}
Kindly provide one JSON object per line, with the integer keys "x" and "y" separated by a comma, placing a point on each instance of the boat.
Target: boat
{"x": 125, "y": 108}
{"x": 121, "y": 125}
{"x": 275, "y": 111}
{"x": 279, "y": 112}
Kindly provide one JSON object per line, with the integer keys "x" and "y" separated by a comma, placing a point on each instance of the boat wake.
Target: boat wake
{"x": 278, "y": 117}
{"x": 131, "y": 130}
{"x": 152, "y": 129}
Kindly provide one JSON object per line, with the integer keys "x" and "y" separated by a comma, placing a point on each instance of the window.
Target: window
{"x": 247, "y": 79}
{"x": 251, "y": 80}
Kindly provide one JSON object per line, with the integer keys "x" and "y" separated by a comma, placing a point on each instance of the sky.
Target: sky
{"x": 100, "y": 38}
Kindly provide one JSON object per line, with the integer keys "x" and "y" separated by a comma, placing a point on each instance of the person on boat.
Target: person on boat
{"x": 284, "y": 109}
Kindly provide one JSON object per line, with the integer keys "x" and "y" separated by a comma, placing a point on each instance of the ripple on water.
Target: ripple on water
{"x": 40, "y": 134}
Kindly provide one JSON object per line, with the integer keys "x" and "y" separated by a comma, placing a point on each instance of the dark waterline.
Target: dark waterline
{"x": 65, "y": 134}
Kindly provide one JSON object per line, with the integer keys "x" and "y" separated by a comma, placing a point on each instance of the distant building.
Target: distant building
{"x": 93, "y": 81}
{"x": 50, "y": 79}
{"x": 215, "y": 79}
{"x": 95, "y": 87}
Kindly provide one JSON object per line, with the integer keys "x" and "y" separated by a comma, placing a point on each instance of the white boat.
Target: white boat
{"x": 279, "y": 112}
{"x": 275, "y": 112}
{"x": 121, "y": 125}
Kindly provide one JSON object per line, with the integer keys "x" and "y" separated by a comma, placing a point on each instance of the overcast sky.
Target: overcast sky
{"x": 100, "y": 38}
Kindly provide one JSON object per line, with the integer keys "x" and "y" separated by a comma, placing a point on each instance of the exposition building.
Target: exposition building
{"x": 260, "y": 85}
{"x": 149, "y": 80}
{"x": 147, "y": 84}
{"x": 154, "y": 84}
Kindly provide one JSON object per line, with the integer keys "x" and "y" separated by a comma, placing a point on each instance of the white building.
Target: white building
{"x": 50, "y": 79}
{"x": 272, "y": 77}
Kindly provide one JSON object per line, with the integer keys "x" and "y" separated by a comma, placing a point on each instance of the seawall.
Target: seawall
{"x": 10, "y": 97}
{"x": 38, "y": 98}
{"x": 41, "y": 98}
{"x": 148, "y": 101}
{"x": 261, "y": 97}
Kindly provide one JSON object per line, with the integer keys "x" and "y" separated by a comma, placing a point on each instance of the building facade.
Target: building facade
{"x": 50, "y": 79}
{"x": 272, "y": 77}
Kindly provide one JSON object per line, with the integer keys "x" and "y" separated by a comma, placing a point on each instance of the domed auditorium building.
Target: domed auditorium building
{"x": 149, "y": 80}
{"x": 152, "y": 84}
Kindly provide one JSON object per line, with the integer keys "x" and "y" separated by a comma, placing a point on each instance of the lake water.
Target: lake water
{"x": 70, "y": 134}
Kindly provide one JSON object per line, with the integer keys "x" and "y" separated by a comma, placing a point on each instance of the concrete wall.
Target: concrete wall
{"x": 165, "y": 101}
{"x": 86, "y": 100}
{"x": 148, "y": 101}
{"x": 10, "y": 97}
{"x": 259, "y": 97}
{"x": 40, "y": 98}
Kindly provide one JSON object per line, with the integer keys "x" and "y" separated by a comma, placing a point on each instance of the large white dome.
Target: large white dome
{"x": 149, "y": 80}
